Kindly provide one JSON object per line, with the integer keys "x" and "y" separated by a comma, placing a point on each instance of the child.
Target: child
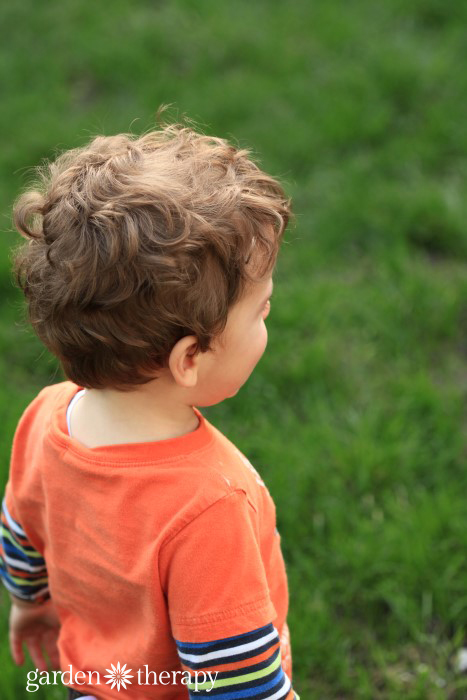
{"x": 137, "y": 538}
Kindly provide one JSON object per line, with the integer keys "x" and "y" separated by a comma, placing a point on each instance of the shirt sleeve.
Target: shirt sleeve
{"x": 213, "y": 574}
{"x": 22, "y": 569}
{"x": 220, "y": 609}
{"x": 245, "y": 665}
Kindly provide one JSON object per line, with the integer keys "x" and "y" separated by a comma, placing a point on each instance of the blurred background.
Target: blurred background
{"x": 355, "y": 416}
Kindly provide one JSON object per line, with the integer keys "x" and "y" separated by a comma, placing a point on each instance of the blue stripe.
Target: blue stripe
{"x": 16, "y": 553}
{"x": 12, "y": 551}
{"x": 20, "y": 542}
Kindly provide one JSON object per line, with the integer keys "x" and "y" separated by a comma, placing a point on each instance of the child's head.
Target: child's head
{"x": 136, "y": 242}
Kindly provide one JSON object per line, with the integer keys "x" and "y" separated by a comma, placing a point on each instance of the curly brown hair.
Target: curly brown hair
{"x": 135, "y": 242}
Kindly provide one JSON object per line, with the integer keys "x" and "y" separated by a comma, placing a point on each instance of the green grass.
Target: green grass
{"x": 355, "y": 416}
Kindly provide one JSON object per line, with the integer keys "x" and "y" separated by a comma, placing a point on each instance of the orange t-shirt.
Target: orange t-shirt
{"x": 146, "y": 543}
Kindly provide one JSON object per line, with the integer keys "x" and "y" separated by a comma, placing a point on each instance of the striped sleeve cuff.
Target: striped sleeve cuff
{"x": 22, "y": 568}
{"x": 247, "y": 665}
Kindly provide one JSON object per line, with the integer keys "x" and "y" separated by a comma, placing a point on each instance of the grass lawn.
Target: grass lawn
{"x": 355, "y": 416}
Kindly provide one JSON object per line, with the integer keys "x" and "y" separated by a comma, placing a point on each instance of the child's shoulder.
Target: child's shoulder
{"x": 236, "y": 459}
{"x": 52, "y": 391}
{"x": 46, "y": 399}
{"x": 238, "y": 472}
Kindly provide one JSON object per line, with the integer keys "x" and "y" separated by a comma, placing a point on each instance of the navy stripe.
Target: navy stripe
{"x": 244, "y": 638}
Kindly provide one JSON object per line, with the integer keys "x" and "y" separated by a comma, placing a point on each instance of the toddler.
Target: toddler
{"x": 139, "y": 545}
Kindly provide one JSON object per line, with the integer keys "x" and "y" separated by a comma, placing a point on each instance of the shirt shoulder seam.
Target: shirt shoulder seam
{"x": 235, "y": 491}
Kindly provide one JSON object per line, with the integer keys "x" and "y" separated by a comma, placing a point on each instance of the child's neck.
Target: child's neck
{"x": 148, "y": 414}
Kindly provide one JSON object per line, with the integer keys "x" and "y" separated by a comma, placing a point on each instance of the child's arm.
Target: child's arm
{"x": 248, "y": 663}
{"x": 33, "y": 620}
{"x": 22, "y": 567}
{"x": 220, "y": 606}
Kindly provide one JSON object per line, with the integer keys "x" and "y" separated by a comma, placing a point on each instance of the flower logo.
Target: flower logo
{"x": 118, "y": 676}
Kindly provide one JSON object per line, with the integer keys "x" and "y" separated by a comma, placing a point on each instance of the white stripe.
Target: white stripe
{"x": 282, "y": 692}
{"x": 231, "y": 651}
{"x": 20, "y": 594}
{"x": 11, "y": 522}
{"x": 22, "y": 565}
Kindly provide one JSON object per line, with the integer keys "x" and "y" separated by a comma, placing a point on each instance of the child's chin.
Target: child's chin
{"x": 229, "y": 395}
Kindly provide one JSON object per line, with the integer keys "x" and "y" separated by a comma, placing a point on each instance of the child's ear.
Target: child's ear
{"x": 184, "y": 361}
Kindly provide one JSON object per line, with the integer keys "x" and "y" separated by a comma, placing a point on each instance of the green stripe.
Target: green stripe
{"x": 25, "y": 582}
{"x": 7, "y": 534}
{"x": 239, "y": 679}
